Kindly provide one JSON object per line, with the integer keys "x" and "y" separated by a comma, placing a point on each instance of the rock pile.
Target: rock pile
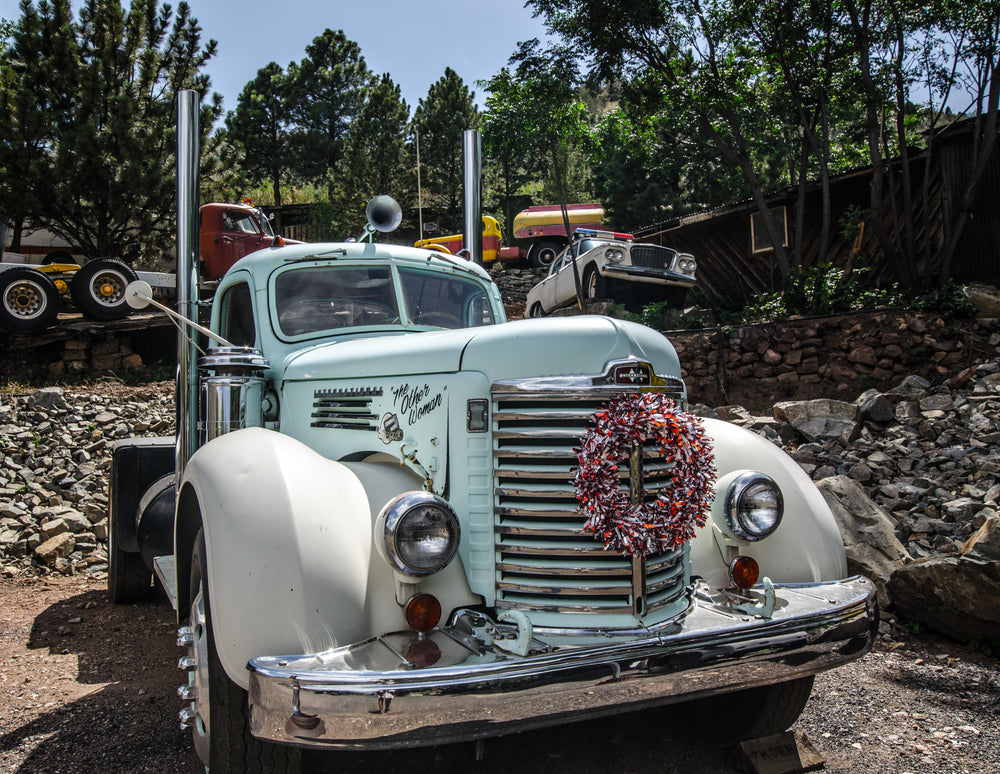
{"x": 913, "y": 476}
{"x": 55, "y": 456}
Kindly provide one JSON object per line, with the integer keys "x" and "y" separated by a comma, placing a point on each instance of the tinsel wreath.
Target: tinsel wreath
{"x": 670, "y": 520}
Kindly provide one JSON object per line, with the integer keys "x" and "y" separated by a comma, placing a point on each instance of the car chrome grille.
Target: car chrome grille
{"x": 652, "y": 256}
{"x": 546, "y": 562}
{"x": 344, "y": 409}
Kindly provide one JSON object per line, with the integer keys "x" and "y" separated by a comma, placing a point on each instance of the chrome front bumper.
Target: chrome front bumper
{"x": 377, "y": 694}
{"x": 649, "y": 274}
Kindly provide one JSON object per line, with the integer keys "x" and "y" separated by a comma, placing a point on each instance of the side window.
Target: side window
{"x": 237, "y": 316}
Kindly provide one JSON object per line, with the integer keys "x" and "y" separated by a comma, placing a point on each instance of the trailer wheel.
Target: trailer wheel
{"x": 29, "y": 301}
{"x": 98, "y": 289}
{"x": 543, "y": 254}
{"x": 221, "y": 714}
{"x": 129, "y": 580}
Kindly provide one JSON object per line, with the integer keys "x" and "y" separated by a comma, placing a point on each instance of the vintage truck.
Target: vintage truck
{"x": 31, "y": 296}
{"x": 540, "y": 227}
{"x": 385, "y": 521}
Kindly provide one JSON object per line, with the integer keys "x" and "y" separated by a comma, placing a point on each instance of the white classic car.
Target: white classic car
{"x": 607, "y": 261}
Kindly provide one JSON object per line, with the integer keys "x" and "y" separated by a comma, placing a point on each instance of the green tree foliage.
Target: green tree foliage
{"x": 789, "y": 91}
{"x": 88, "y": 146}
{"x": 326, "y": 92}
{"x": 440, "y": 118}
{"x": 259, "y": 127}
{"x": 507, "y": 149}
{"x": 376, "y": 158}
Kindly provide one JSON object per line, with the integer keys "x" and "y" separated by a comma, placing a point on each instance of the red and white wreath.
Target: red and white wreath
{"x": 670, "y": 520}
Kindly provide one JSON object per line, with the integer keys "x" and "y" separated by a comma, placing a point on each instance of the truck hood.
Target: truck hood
{"x": 521, "y": 349}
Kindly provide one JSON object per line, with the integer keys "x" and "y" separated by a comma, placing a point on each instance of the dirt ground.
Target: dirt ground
{"x": 86, "y": 686}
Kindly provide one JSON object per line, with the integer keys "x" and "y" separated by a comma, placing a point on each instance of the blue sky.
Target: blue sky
{"x": 412, "y": 40}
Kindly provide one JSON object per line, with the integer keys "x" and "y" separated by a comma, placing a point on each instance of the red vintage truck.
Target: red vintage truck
{"x": 230, "y": 231}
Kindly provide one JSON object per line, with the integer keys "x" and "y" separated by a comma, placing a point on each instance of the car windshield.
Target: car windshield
{"x": 322, "y": 298}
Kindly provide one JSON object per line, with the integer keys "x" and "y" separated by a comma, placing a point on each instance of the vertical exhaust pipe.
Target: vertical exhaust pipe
{"x": 471, "y": 181}
{"x": 187, "y": 275}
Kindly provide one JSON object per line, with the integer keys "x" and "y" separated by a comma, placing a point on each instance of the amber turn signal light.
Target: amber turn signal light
{"x": 744, "y": 572}
{"x": 423, "y": 612}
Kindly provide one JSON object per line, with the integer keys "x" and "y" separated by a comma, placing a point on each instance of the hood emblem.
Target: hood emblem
{"x": 633, "y": 374}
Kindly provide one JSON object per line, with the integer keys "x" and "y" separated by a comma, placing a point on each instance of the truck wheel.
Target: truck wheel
{"x": 29, "y": 301}
{"x": 594, "y": 285}
{"x": 98, "y": 289}
{"x": 761, "y": 711}
{"x": 221, "y": 722}
{"x": 543, "y": 254}
{"x": 129, "y": 580}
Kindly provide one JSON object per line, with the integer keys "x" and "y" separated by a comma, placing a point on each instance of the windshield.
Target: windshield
{"x": 444, "y": 300}
{"x": 322, "y": 298}
{"x": 265, "y": 224}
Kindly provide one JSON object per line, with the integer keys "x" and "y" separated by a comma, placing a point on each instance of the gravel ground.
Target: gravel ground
{"x": 88, "y": 687}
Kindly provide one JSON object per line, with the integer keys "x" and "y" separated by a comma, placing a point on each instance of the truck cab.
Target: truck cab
{"x": 228, "y": 232}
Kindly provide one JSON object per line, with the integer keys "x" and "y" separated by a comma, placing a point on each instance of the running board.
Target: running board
{"x": 166, "y": 571}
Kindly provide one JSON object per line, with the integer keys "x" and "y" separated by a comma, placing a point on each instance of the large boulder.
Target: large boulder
{"x": 954, "y": 595}
{"x": 870, "y": 541}
{"x": 821, "y": 420}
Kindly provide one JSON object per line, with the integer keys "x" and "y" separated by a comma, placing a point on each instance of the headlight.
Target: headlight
{"x": 754, "y": 506}
{"x": 614, "y": 255}
{"x": 687, "y": 265}
{"x": 419, "y": 533}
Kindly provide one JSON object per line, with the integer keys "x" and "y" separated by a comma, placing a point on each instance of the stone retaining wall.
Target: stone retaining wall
{"x": 97, "y": 352}
{"x": 837, "y": 356}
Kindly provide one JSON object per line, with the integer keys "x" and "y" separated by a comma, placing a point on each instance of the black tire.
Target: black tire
{"x": 29, "y": 301}
{"x": 594, "y": 285}
{"x": 59, "y": 256}
{"x": 222, "y": 729}
{"x": 98, "y": 289}
{"x": 129, "y": 579}
{"x": 766, "y": 710}
{"x": 543, "y": 254}
{"x": 536, "y": 311}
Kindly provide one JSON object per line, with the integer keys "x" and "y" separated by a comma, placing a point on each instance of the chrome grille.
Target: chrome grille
{"x": 344, "y": 409}
{"x": 546, "y": 562}
{"x": 652, "y": 256}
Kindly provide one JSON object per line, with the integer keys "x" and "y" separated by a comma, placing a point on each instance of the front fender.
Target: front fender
{"x": 291, "y": 565}
{"x": 806, "y": 547}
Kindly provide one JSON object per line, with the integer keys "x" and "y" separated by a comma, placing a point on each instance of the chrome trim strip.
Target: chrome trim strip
{"x": 477, "y": 690}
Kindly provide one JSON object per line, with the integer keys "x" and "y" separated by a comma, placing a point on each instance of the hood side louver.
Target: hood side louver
{"x": 345, "y": 409}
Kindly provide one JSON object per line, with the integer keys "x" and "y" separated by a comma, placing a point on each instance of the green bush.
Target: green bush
{"x": 821, "y": 290}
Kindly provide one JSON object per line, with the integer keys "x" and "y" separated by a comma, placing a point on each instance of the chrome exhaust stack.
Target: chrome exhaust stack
{"x": 471, "y": 182}
{"x": 188, "y": 102}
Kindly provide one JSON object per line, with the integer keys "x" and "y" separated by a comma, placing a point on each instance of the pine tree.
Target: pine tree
{"x": 89, "y": 145}
{"x": 259, "y": 127}
{"x": 327, "y": 90}
{"x": 440, "y": 119}
{"x": 376, "y": 159}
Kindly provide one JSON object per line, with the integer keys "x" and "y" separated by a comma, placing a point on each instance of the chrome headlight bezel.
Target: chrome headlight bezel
{"x": 614, "y": 255}
{"x": 753, "y": 484}
{"x": 395, "y": 530}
